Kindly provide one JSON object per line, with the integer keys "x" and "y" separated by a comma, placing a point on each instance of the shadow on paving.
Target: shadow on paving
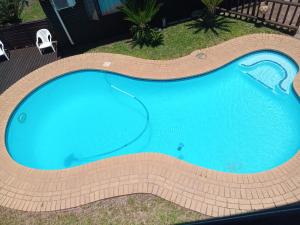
{"x": 285, "y": 215}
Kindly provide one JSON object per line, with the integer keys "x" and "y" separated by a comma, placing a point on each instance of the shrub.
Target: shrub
{"x": 141, "y": 13}
{"x": 11, "y": 10}
{"x": 211, "y": 5}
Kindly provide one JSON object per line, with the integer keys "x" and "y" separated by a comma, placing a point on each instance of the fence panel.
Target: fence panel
{"x": 283, "y": 13}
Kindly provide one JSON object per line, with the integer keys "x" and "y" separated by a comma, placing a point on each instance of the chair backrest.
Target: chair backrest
{"x": 1, "y": 46}
{"x": 44, "y": 35}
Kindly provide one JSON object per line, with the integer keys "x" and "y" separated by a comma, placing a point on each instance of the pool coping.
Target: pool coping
{"x": 206, "y": 191}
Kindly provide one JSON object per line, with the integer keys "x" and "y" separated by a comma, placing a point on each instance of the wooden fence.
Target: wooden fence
{"x": 22, "y": 35}
{"x": 282, "y": 13}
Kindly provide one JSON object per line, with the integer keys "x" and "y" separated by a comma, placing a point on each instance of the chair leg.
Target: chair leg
{"x": 40, "y": 50}
{"x": 53, "y": 48}
{"x": 6, "y": 56}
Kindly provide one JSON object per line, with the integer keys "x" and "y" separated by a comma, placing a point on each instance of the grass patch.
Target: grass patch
{"x": 33, "y": 12}
{"x": 184, "y": 38}
{"x": 125, "y": 210}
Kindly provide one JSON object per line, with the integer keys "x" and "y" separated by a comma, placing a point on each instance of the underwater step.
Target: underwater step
{"x": 272, "y": 71}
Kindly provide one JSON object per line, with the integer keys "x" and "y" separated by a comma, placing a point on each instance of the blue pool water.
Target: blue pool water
{"x": 241, "y": 118}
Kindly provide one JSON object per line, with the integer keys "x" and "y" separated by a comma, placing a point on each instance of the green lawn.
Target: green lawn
{"x": 33, "y": 12}
{"x": 126, "y": 210}
{"x": 184, "y": 38}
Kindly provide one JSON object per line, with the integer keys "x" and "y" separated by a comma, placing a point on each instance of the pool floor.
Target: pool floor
{"x": 241, "y": 118}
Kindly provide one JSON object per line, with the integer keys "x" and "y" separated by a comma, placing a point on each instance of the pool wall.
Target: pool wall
{"x": 203, "y": 190}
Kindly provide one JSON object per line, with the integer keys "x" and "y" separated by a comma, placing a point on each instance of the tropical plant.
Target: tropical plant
{"x": 211, "y": 5}
{"x": 11, "y": 10}
{"x": 140, "y": 13}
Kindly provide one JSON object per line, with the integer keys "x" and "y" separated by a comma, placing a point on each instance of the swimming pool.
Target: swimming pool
{"x": 241, "y": 118}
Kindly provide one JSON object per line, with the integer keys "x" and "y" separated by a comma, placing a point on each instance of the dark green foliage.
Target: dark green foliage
{"x": 11, "y": 10}
{"x": 140, "y": 13}
{"x": 211, "y": 5}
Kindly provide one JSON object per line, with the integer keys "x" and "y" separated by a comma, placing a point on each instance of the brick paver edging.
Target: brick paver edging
{"x": 206, "y": 191}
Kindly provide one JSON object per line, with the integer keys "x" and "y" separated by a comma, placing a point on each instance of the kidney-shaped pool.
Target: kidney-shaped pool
{"x": 241, "y": 118}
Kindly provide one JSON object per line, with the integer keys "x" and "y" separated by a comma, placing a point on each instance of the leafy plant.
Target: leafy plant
{"x": 11, "y": 10}
{"x": 208, "y": 19}
{"x": 141, "y": 13}
{"x": 211, "y": 5}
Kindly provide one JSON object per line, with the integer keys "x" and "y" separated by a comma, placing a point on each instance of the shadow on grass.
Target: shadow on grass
{"x": 157, "y": 39}
{"x": 262, "y": 24}
{"x": 82, "y": 48}
{"x": 214, "y": 24}
{"x": 127, "y": 38}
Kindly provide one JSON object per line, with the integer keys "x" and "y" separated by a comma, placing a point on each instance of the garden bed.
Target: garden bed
{"x": 184, "y": 38}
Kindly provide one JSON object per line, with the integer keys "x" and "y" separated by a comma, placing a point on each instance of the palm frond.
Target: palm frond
{"x": 141, "y": 13}
{"x": 211, "y": 4}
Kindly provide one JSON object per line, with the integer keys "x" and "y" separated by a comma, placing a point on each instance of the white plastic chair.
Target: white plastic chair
{"x": 44, "y": 40}
{"x": 2, "y": 50}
